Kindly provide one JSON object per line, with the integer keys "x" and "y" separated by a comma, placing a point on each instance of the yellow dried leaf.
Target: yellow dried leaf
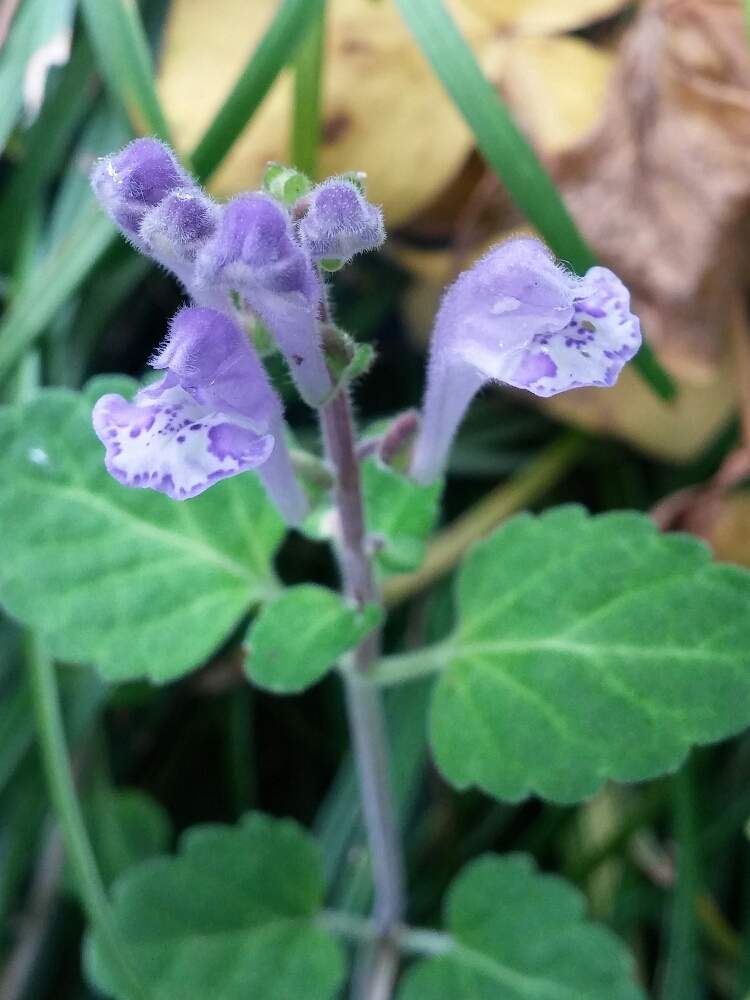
{"x": 676, "y": 432}
{"x": 555, "y": 86}
{"x": 384, "y": 110}
{"x": 544, "y": 17}
{"x": 729, "y": 535}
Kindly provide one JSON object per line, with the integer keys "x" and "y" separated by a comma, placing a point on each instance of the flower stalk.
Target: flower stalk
{"x": 364, "y": 701}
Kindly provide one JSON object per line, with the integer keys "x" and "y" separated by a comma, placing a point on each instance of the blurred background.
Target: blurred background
{"x": 639, "y": 113}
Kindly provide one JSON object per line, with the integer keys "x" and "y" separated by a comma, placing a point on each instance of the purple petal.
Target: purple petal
{"x": 519, "y": 318}
{"x": 166, "y": 441}
{"x": 591, "y": 350}
{"x": 253, "y": 253}
{"x": 340, "y": 222}
{"x": 173, "y": 231}
{"x": 130, "y": 182}
{"x": 209, "y": 356}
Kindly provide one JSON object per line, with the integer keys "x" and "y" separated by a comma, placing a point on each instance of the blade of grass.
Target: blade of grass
{"x": 507, "y": 151}
{"x": 308, "y": 71}
{"x": 54, "y": 751}
{"x": 56, "y": 278}
{"x": 36, "y": 24}
{"x": 44, "y": 146}
{"x": 122, "y": 54}
{"x": 683, "y": 973}
{"x": 275, "y": 49}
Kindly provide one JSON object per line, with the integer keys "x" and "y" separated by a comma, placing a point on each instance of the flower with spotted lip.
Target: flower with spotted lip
{"x": 519, "y": 318}
{"x": 212, "y": 415}
{"x": 253, "y": 254}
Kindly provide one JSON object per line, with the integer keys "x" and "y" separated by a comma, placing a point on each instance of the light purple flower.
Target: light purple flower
{"x": 519, "y": 318}
{"x": 254, "y": 255}
{"x": 173, "y": 231}
{"x": 213, "y": 415}
{"x": 135, "y": 179}
{"x": 339, "y": 222}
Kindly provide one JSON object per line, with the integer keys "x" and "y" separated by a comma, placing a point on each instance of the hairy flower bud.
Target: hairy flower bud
{"x": 135, "y": 179}
{"x": 339, "y": 222}
{"x": 214, "y": 414}
{"x": 518, "y": 318}
{"x": 173, "y": 231}
{"x": 254, "y": 255}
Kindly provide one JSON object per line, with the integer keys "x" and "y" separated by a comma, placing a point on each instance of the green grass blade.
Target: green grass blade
{"x": 308, "y": 70}
{"x": 45, "y": 145}
{"x": 683, "y": 967}
{"x": 507, "y": 151}
{"x": 35, "y": 24}
{"x": 124, "y": 60}
{"x": 274, "y": 51}
{"x": 60, "y": 274}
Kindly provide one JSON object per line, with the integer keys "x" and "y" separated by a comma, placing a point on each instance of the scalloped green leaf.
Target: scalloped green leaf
{"x": 296, "y": 638}
{"x": 400, "y": 515}
{"x": 520, "y": 935}
{"x": 125, "y": 826}
{"x": 587, "y": 649}
{"x": 126, "y": 579}
{"x": 231, "y": 916}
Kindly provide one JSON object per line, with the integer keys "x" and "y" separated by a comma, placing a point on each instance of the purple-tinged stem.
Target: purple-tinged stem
{"x": 364, "y": 702}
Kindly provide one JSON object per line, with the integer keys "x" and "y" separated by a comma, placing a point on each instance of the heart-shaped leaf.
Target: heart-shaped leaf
{"x": 519, "y": 935}
{"x": 296, "y": 638}
{"x": 232, "y": 916}
{"x": 126, "y": 579}
{"x": 589, "y": 648}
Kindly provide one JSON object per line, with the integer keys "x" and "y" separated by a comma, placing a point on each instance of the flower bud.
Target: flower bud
{"x": 518, "y": 318}
{"x": 339, "y": 222}
{"x": 254, "y": 255}
{"x": 135, "y": 179}
{"x": 173, "y": 231}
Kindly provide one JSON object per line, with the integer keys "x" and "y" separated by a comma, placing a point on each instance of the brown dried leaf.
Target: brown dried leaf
{"x": 662, "y": 188}
{"x": 544, "y": 17}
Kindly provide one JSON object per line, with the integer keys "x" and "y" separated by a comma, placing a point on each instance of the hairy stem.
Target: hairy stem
{"x": 364, "y": 700}
{"x": 77, "y": 845}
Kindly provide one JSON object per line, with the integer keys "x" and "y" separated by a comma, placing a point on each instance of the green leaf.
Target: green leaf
{"x": 400, "y": 515}
{"x": 231, "y": 917}
{"x": 126, "y": 579}
{"x": 589, "y": 648}
{"x": 126, "y": 826}
{"x": 276, "y": 48}
{"x": 520, "y": 935}
{"x": 299, "y": 636}
{"x": 507, "y": 150}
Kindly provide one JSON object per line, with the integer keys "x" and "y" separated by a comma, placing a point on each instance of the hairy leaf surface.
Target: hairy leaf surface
{"x": 125, "y": 579}
{"x": 589, "y": 648}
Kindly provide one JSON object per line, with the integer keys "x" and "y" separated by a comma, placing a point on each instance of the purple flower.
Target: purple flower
{"x": 340, "y": 222}
{"x": 212, "y": 415}
{"x": 134, "y": 180}
{"x": 254, "y": 255}
{"x": 173, "y": 231}
{"x": 519, "y": 318}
